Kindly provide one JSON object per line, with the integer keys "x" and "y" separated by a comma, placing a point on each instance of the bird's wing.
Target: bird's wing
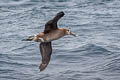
{"x": 52, "y": 24}
{"x": 46, "y": 51}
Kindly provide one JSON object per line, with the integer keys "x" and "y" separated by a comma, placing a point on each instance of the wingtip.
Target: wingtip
{"x": 61, "y": 14}
{"x": 42, "y": 67}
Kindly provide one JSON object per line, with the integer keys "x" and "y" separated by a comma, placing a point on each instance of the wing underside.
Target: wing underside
{"x": 46, "y": 51}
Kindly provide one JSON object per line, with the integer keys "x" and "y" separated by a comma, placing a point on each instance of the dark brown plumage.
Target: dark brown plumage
{"x": 52, "y": 24}
{"x": 46, "y": 51}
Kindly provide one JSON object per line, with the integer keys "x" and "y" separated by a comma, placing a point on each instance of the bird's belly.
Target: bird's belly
{"x": 51, "y": 38}
{"x": 46, "y": 39}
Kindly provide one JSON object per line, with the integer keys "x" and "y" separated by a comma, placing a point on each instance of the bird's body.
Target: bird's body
{"x": 51, "y": 32}
{"x": 53, "y": 35}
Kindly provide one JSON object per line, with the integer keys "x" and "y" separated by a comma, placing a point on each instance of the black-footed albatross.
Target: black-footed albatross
{"x": 50, "y": 33}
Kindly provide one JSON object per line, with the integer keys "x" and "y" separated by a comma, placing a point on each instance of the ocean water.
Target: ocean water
{"x": 93, "y": 55}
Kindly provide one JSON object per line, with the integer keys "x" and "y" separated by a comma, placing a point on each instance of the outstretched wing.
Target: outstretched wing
{"x": 52, "y": 24}
{"x": 46, "y": 51}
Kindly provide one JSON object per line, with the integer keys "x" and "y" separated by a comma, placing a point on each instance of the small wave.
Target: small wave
{"x": 3, "y": 55}
{"x": 107, "y": 65}
{"x": 22, "y": 47}
{"x": 2, "y": 71}
{"x": 91, "y": 50}
{"x": 18, "y": 3}
{"x": 8, "y": 78}
{"x": 49, "y": 0}
{"x": 10, "y": 63}
{"x": 112, "y": 66}
{"x": 101, "y": 2}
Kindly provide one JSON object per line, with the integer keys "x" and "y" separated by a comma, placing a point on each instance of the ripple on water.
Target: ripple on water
{"x": 92, "y": 55}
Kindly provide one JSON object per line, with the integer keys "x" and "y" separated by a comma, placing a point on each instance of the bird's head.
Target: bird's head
{"x": 68, "y": 32}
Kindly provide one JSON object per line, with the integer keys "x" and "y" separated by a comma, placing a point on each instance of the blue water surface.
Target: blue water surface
{"x": 93, "y": 55}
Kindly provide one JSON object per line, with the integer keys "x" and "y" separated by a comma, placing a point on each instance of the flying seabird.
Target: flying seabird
{"x": 50, "y": 33}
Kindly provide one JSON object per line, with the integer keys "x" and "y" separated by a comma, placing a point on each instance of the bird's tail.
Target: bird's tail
{"x": 30, "y": 38}
{"x": 42, "y": 66}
